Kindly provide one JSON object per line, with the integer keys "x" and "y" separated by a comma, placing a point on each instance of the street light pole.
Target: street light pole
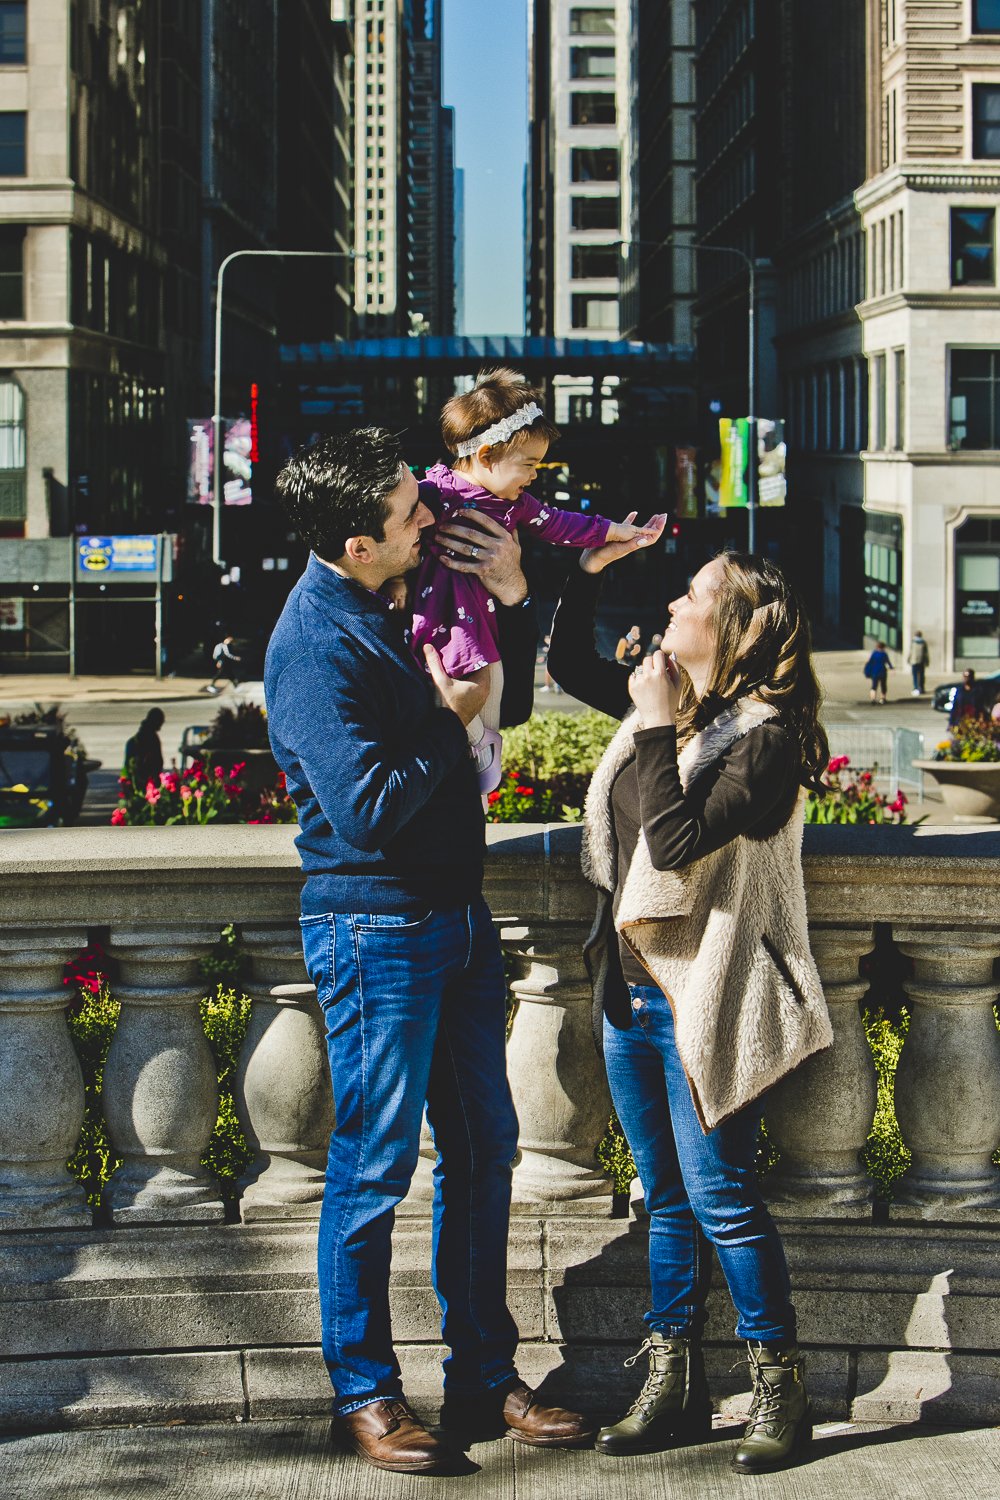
{"x": 751, "y": 363}
{"x": 217, "y": 395}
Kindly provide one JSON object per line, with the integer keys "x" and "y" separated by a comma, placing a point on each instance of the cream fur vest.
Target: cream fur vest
{"x": 725, "y": 937}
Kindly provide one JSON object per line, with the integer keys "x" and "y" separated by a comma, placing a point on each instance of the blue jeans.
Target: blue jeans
{"x": 415, "y": 1012}
{"x": 698, "y": 1188}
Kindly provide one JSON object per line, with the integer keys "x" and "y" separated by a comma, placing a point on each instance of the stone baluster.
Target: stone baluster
{"x": 948, "y": 1078}
{"x": 559, "y": 1088}
{"x": 283, "y": 1095}
{"x": 820, "y": 1117}
{"x": 41, "y": 1084}
{"x": 160, "y": 1093}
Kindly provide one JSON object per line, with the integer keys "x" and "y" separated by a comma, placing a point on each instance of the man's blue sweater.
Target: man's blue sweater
{"x": 390, "y": 819}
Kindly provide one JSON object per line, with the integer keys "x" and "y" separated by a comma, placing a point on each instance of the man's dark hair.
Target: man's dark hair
{"x": 339, "y": 487}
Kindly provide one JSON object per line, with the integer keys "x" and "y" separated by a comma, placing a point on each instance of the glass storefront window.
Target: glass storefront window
{"x": 883, "y": 608}
{"x": 977, "y": 589}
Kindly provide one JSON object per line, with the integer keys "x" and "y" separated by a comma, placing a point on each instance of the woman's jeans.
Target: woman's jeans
{"x": 415, "y": 1011}
{"x": 698, "y": 1188}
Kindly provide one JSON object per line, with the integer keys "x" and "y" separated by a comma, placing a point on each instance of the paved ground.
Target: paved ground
{"x": 299, "y": 1461}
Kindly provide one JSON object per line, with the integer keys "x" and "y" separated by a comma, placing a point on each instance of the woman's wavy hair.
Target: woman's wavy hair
{"x": 762, "y": 647}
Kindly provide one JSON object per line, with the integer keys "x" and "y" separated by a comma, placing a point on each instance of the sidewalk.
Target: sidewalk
{"x": 48, "y": 687}
{"x": 300, "y": 1461}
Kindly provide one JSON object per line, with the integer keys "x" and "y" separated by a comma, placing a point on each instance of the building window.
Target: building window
{"x": 593, "y": 261}
{"x": 592, "y": 311}
{"x": 11, "y": 271}
{"x": 12, "y": 438}
{"x": 12, "y": 134}
{"x": 985, "y": 120}
{"x": 600, "y": 165}
{"x": 883, "y": 616}
{"x": 592, "y": 22}
{"x": 12, "y": 32}
{"x": 596, "y": 213}
{"x": 593, "y": 109}
{"x": 594, "y": 62}
{"x": 972, "y": 241}
{"x": 878, "y": 400}
{"x": 985, "y": 16}
{"x": 899, "y": 399}
{"x": 974, "y": 405}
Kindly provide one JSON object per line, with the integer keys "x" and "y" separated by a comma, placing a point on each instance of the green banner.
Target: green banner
{"x": 734, "y": 440}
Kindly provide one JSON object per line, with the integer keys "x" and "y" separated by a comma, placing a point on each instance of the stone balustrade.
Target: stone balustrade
{"x": 159, "y": 898}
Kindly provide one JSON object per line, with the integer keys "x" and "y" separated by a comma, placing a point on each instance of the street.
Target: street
{"x": 104, "y": 712}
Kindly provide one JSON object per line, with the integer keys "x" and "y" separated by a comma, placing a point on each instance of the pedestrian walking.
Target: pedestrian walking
{"x": 877, "y": 669}
{"x": 400, "y": 943}
{"x": 226, "y": 661}
{"x": 143, "y": 760}
{"x": 918, "y": 660}
{"x": 706, "y": 993}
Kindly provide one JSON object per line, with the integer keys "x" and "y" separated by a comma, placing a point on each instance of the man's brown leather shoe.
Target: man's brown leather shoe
{"x": 544, "y": 1426}
{"x": 388, "y": 1435}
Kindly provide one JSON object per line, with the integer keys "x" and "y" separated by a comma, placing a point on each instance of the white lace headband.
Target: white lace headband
{"x": 501, "y": 431}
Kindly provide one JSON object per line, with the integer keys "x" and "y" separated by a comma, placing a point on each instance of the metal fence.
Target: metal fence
{"x": 889, "y": 753}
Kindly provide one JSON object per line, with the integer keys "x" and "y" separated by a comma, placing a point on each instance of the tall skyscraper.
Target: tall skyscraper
{"x": 580, "y": 178}
{"x": 379, "y": 55}
{"x": 404, "y": 169}
{"x": 659, "y": 266}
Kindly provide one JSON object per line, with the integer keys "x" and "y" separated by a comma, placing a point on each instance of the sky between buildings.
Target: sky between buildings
{"x": 486, "y": 79}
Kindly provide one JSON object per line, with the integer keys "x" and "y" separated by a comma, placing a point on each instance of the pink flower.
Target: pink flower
{"x": 219, "y": 773}
{"x": 168, "y": 781}
{"x": 240, "y": 766}
{"x": 837, "y": 763}
{"x": 199, "y": 792}
{"x": 186, "y": 794}
{"x": 152, "y": 794}
{"x": 119, "y": 816}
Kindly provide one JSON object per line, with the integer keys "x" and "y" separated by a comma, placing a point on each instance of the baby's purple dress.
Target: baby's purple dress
{"x": 454, "y": 611}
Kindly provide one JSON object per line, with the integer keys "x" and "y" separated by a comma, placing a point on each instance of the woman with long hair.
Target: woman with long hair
{"x": 705, "y": 989}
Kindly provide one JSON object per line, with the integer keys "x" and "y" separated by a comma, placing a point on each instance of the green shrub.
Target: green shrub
{"x": 548, "y": 763}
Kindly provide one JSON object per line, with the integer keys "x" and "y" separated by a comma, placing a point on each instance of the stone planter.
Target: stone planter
{"x": 971, "y": 789}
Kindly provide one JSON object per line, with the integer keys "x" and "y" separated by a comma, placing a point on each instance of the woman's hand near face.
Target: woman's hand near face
{"x": 655, "y": 689}
{"x": 596, "y": 559}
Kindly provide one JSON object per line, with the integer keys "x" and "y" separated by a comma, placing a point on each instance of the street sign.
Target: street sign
{"x": 118, "y": 559}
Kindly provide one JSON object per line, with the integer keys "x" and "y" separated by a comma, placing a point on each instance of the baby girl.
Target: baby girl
{"x": 499, "y": 436}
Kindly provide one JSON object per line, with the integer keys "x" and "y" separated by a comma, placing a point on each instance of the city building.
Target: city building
{"x": 379, "y": 116}
{"x": 580, "y": 183}
{"x": 659, "y": 263}
{"x": 429, "y": 176}
{"x": 314, "y": 169}
{"x": 818, "y": 256}
{"x": 82, "y": 270}
{"x": 931, "y": 327}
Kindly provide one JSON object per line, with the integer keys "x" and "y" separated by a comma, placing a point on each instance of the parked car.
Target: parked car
{"x": 945, "y": 694}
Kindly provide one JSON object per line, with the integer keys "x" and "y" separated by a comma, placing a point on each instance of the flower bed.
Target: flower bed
{"x": 851, "y": 797}
{"x": 201, "y": 794}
